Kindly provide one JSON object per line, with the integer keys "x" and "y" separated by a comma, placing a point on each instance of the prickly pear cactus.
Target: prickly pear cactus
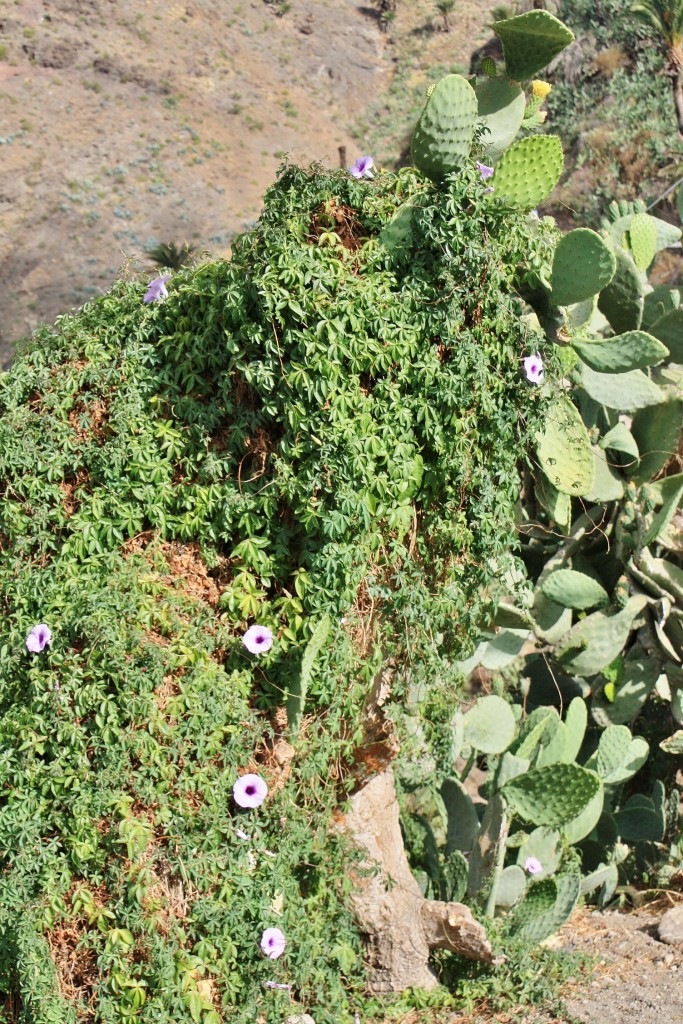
{"x": 551, "y": 795}
{"x": 564, "y": 450}
{"x": 573, "y": 589}
{"x": 444, "y": 132}
{"x": 622, "y": 300}
{"x": 528, "y": 171}
{"x": 622, "y": 352}
{"x": 530, "y": 41}
{"x": 583, "y": 265}
{"x": 592, "y": 644}
{"x": 546, "y": 907}
{"x": 501, "y": 110}
{"x": 642, "y": 238}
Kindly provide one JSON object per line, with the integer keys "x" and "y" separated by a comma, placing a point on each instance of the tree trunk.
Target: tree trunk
{"x": 677, "y": 87}
{"x": 401, "y": 926}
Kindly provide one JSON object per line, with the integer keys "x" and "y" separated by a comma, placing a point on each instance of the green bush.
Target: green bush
{"x": 330, "y": 424}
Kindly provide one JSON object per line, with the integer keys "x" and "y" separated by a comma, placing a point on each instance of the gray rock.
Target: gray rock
{"x": 300, "y": 1018}
{"x": 671, "y": 926}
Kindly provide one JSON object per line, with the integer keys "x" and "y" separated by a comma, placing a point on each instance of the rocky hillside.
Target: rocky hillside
{"x": 133, "y": 122}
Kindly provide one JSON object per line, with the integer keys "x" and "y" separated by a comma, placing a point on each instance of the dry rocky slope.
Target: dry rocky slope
{"x": 131, "y": 122}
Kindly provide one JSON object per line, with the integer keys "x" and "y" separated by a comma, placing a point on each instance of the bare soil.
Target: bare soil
{"x": 637, "y": 978}
{"x": 132, "y": 122}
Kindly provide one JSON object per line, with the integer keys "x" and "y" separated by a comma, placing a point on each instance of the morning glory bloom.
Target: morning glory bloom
{"x": 484, "y": 170}
{"x": 157, "y": 290}
{"x": 533, "y": 368}
{"x": 276, "y": 984}
{"x": 362, "y": 167}
{"x": 273, "y": 943}
{"x": 258, "y": 639}
{"x": 533, "y": 866}
{"x": 249, "y": 791}
{"x": 39, "y": 638}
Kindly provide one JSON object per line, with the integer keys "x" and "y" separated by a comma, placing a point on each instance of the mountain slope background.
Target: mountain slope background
{"x": 126, "y": 123}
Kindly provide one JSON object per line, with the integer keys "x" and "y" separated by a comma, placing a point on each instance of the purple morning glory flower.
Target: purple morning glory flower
{"x": 533, "y": 368}
{"x": 273, "y": 943}
{"x": 484, "y": 170}
{"x": 533, "y": 866}
{"x": 250, "y": 791}
{"x": 156, "y": 290}
{"x": 39, "y": 638}
{"x": 258, "y": 639}
{"x": 276, "y": 984}
{"x": 362, "y": 167}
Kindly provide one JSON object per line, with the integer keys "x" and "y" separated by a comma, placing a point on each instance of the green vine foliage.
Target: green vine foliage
{"x": 329, "y": 424}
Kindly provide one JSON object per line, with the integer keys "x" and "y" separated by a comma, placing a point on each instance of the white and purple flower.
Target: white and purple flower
{"x": 362, "y": 167}
{"x": 39, "y": 638}
{"x": 258, "y": 639}
{"x": 249, "y": 791}
{"x": 484, "y": 170}
{"x": 533, "y": 368}
{"x": 533, "y": 866}
{"x": 156, "y": 291}
{"x": 273, "y": 943}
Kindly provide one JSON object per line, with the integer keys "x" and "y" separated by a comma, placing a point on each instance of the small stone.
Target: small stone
{"x": 300, "y": 1018}
{"x": 671, "y": 926}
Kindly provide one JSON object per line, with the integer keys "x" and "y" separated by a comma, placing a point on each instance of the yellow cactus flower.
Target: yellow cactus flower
{"x": 540, "y": 89}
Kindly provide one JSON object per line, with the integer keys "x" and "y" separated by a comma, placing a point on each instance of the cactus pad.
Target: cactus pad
{"x": 543, "y": 844}
{"x": 619, "y": 755}
{"x": 564, "y": 449}
{"x": 642, "y": 236}
{"x": 444, "y": 132}
{"x": 528, "y": 171}
{"x": 398, "y": 232}
{"x": 501, "y": 109}
{"x": 584, "y": 823}
{"x": 669, "y": 330}
{"x": 574, "y": 589}
{"x": 530, "y": 41}
{"x": 533, "y": 920}
{"x": 583, "y": 265}
{"x": 463, "y": 823}
{"x": 551, "y": 795}
{"x": 592, "y": 644}
{"x": 638, "y": 681}
{"x": 621, "y": 353}
{"x": 490, "y": 725}
{"x": 575, "y": 723}
{"x": 511, "y": 886}
{"x": 632, "y": 390}
{"x": 662, "y": 299}
{"x": 622, "y": 300}
{"x": 657, "y": 433}
{"x": 640, "y": 821}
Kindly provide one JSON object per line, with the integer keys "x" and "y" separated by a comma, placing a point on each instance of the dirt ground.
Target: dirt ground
{"x": 126, "y": 123}
{"x": 637, "y": 978}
